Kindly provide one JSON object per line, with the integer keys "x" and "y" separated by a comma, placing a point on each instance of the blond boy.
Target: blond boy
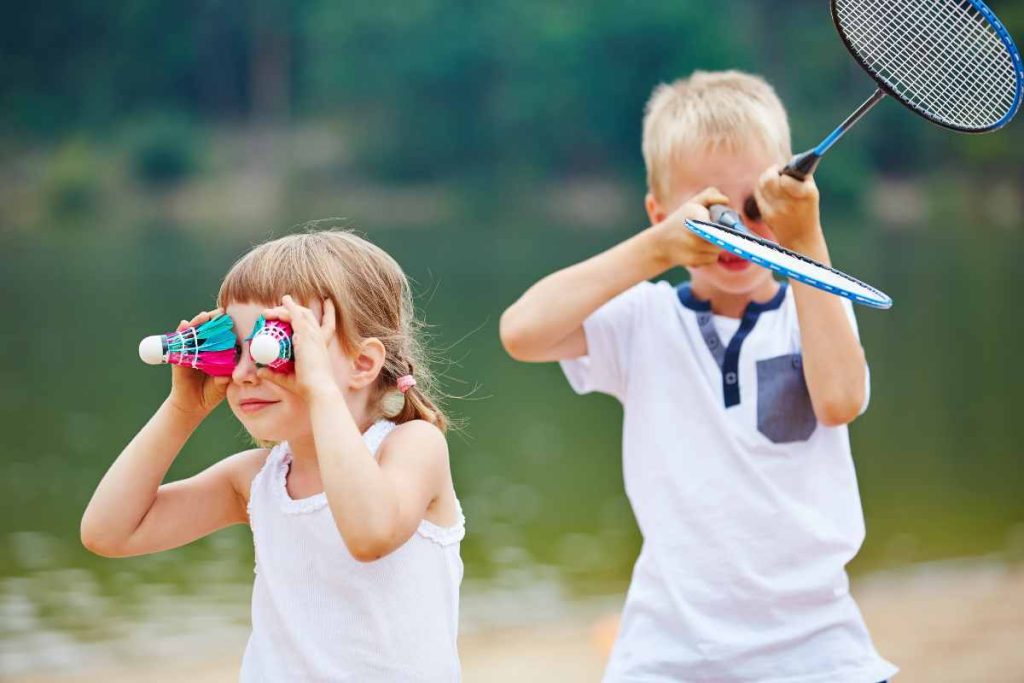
{"x": 736, "y": 390}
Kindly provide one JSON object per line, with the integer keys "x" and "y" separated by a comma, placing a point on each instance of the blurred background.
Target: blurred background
{"x": 145, "y": 145}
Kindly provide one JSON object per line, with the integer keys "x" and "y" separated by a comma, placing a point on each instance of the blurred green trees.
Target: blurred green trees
{"x": 435, "y": 88}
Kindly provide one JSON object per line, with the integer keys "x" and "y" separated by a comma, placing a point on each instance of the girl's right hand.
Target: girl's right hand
{"x": 194, "y": 392}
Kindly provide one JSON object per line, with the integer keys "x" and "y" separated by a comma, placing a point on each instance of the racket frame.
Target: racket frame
{"x": 1004, "y": 37}
{"x": 804, "y": 164}
{"x": 699, "y": 228}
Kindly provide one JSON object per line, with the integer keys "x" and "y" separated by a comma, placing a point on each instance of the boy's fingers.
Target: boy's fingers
{"x": 796, "y": 188}
{"x": 709, "y": 196}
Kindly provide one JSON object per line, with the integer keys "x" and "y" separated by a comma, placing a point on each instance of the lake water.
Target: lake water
{"x": 537, "y": 468}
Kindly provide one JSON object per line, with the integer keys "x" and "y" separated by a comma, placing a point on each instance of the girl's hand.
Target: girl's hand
{"x": 194, "y": 392}
{"x": 312, "y": 336}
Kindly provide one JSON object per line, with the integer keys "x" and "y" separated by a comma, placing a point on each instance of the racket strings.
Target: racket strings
{"x": 942, "y": 57}
{"x": 912, "y": 37}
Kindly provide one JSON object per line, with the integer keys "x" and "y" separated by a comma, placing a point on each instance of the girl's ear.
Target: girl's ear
{"x": 367, "y": 362}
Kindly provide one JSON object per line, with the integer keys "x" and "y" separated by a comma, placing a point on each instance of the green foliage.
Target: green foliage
{"x": 162, "y": 149}
{"x": 71, "y": 187}
{"x": 433, "y": 88}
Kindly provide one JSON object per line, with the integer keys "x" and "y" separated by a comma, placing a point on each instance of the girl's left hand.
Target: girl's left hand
{"x": 311, "y": 339}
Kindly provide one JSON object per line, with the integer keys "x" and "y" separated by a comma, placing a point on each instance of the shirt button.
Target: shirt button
{"x": 703, "y": 319}
{"x": 712, "y": 341}
{"x": 730, "y": 378}
{"x": 797, "y": 363}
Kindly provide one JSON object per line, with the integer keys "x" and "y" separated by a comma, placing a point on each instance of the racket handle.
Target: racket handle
{"x": 802, "y": 165}
{"x": 723, "y": 215}
{"x": 799, "y": 167}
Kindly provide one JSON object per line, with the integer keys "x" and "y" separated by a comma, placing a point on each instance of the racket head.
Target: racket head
{"x": 950, "y": 61}
{"x": 770, "y": 255}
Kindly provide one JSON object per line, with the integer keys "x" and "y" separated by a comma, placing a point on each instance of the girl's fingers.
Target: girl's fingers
{"x": 278, "y": 313}
{"x": 281, "y": 379}
{"x": 327, "y": 324}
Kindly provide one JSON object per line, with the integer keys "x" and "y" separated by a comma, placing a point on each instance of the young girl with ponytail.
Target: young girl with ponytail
{"x": 354, "y": 516}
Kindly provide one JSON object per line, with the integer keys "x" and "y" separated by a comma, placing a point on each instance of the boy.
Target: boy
{"x": 736, "y": 392}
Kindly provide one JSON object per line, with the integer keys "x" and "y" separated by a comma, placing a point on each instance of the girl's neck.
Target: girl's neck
{"x": 733, "y": 305}
{"x": 303, "y": 446}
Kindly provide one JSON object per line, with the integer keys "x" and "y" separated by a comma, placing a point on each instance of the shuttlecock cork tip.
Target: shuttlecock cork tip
{"x": 264, "y": 349}
{"x": 151, "y": 350}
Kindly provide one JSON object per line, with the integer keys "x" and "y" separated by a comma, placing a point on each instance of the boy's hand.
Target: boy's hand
{"x": 312, "y": 335}
{"x": 789, "y": 207}
{"x": 194, "y": 392}
{"x": 680, "y": 246}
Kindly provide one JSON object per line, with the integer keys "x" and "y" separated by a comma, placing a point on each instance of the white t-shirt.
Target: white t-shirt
{"x": 318, "y": 614}
{"x": 748, "y": 507}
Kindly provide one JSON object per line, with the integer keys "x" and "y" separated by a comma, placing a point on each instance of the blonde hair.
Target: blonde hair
{"x": 372, "y": 298}
{"x": 709, "y": 110}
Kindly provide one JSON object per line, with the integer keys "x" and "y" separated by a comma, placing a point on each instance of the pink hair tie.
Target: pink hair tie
{"x": 406, "y": 382}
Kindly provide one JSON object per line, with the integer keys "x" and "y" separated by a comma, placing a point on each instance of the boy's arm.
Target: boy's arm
{"x": 132, "y": 514}
{"x": 546, "y": 323}
{"x": 833, "y": 359}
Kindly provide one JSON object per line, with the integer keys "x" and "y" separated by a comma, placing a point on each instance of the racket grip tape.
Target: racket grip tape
{"x": 802, "y": 165}
{"x": 723, "y": 215}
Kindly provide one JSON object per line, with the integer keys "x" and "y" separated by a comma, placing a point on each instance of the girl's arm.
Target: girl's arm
{"x": 546, "y": 323}
{"x": 132, "y": 514}
{"x": 377, "y": 504}
{"x": 834, "y": 363}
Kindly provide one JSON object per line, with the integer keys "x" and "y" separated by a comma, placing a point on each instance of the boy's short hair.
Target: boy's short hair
{"x": 709, "y": 110}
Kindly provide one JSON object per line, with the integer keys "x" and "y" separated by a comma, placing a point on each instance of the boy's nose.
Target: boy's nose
{"x": 245, "y": 369}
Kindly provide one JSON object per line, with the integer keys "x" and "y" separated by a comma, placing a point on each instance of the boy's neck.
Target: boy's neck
{"x": 733, "y": 305}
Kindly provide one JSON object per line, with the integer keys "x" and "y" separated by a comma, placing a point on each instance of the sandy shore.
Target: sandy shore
{"x": 947, "y": 623}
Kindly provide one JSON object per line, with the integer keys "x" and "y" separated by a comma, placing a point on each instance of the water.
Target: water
{"x": 938, "y": 454}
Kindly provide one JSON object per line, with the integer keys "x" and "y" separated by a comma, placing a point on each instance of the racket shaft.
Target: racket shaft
{"x": 803, "y": 165}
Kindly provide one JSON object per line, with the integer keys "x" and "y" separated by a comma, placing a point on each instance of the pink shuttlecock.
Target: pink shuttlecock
{"x": 210, "y": 347}
{"x": 270, "y": 345}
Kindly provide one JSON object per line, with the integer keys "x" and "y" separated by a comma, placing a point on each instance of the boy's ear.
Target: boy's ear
{"x": 655, "y": 212}
{"x": 367, "y": 363}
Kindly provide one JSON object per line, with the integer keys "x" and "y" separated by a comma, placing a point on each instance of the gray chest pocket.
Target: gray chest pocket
{"x": 784, "y": 411}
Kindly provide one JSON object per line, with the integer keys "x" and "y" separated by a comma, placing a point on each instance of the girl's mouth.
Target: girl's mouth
{"x": 732, "y": 261}
{"x": 254, "y": 405}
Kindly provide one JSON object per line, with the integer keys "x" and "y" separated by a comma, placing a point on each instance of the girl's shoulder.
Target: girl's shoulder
{"x": 418, "y": 434}
{"x": 243, "y": 468}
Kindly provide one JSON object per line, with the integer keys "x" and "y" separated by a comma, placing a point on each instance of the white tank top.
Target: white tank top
{"x": 318, "y": 614}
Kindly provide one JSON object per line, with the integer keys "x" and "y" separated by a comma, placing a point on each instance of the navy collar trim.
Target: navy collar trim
{"x": 689, "y": 300}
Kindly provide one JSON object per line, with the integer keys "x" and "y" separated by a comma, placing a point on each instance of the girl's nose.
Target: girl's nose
{"x": 245, "y": 370}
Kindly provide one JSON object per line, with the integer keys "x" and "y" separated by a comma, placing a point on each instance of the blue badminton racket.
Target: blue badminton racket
{"x": 950, "y": 61}
{"x": 728, "y": 232}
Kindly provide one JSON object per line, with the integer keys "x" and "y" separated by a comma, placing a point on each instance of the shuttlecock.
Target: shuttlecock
{"x": 210, "y": 347}
{"x": 270, "y": 344}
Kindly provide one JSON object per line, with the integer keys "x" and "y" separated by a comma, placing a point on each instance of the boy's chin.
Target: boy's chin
{"x": 733, "y": 281}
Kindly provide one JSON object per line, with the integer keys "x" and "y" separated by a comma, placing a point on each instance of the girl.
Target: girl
{"x": 353, "y": 512}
